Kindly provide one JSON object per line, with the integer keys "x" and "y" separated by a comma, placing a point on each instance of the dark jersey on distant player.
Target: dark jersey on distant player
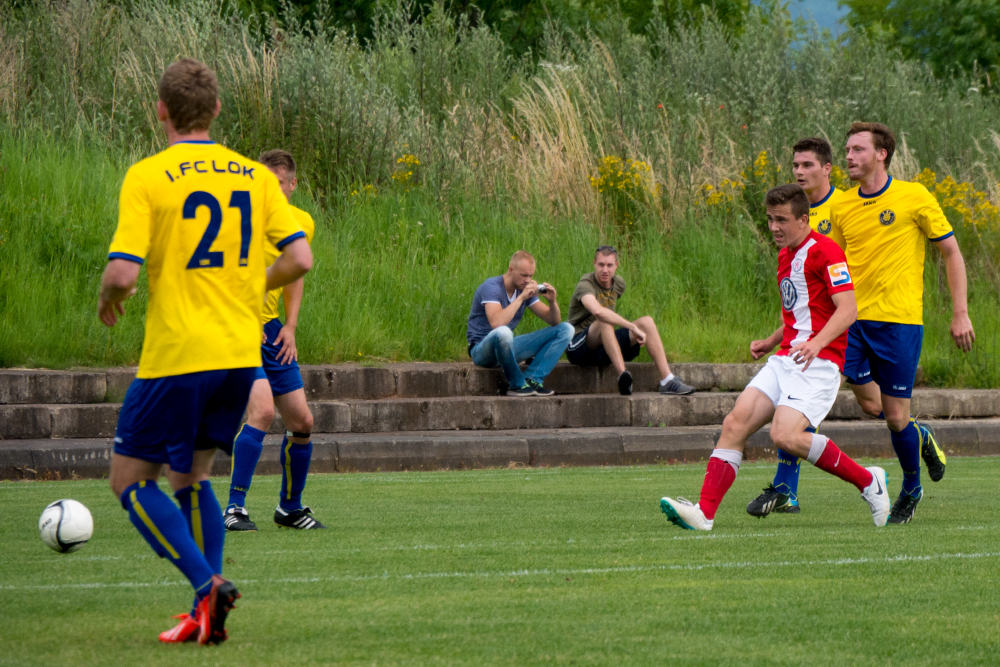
{"x": 808, "y": 277}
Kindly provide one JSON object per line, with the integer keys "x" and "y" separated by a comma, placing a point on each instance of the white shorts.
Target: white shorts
{"x": 811, "y": 392}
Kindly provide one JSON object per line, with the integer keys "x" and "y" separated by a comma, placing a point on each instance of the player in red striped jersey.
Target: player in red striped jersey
{"x": 797, "y": 387}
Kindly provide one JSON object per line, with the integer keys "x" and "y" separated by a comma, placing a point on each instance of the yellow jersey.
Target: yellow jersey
{"x": 819, "y": 213}
{"x": 198, "y": 215}
{"x": 883, "y": 237}
{"x": 271, "y": 253}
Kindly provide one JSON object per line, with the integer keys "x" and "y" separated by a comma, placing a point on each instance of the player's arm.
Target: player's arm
{"x": 128, "y": 249}
{"x": 609, "y": 316}
{"x": 501, "y": 317}
{"x": 842, "y": 318}
{"x": 294, "y": 262}
{"x": 961, "y": 326}
{"x": 759, "y": 348}
{"x": 549, "y": 312}
{"x": 117, "y": 284}
{"x": 285, "y": 340}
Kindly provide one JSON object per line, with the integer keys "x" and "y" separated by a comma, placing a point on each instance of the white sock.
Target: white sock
{"x": 730, "y": 456}
{"x": 667, "y": 379}
{"x": 817, "y": 447}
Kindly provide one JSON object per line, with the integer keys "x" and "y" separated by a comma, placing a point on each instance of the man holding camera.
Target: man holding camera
{"x": 497, "y": 308}
{"x": 597, "y": 341}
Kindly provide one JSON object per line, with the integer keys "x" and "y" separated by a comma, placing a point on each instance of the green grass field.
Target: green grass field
{"x": 529, "y": 566}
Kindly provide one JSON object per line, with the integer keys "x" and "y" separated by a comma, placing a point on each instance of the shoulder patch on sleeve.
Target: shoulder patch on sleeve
{"x": 839, "y": 274}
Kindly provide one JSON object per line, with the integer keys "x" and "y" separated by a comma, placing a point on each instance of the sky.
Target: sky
{"x": 824, "y": 12}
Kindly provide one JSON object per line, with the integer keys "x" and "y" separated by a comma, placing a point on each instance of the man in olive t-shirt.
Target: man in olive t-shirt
{"x": 596, "y": 341}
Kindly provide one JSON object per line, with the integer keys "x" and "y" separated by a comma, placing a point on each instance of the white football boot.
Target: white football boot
{"x": 876, "y": 495}
{"x": 685, "y": 515}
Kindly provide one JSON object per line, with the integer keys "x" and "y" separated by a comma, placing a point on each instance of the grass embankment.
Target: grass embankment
{"x": 395, "y": 274}
{"x": 662, "y": 144}
{"x": 550, "y": 566}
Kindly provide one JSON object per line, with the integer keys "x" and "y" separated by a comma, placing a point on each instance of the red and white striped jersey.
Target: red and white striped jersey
{"x": 808, "y": 277}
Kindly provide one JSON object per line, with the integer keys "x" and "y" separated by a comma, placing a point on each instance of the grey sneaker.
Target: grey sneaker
{"x": 676, "y": 388}
{"x": 526, "y": 390}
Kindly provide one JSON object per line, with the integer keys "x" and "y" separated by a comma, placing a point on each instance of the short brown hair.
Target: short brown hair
{"x": 790, "y": 193}
{"x": 278, "y": 158}
{"x": 189, "y": 90}
{"x": 522, "y": 255}
{"x": 821, "y": 147}
{"x": 606, "y": 250}
{"x": 882, "y": 137}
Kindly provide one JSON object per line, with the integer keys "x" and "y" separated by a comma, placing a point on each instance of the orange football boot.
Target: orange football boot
{"x": 185, "y": 631}
{"x": 213, "y": 609}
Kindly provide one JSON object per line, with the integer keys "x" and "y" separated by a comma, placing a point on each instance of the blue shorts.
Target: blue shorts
{"x": 885, "y": 352}
{"x": 284, "y": 378}
{"x": 578, "y": 353}
{"x": 165, "y": 420}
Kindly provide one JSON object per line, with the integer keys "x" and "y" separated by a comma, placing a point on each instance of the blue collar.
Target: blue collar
{"x": 824, "y": 199}
{"x": 880, "y": 192}
{"x": 195, "y": 141}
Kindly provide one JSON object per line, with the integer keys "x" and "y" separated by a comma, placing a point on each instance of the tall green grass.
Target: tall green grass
{"x": 394, "y": 274}
{"x": 507, "y": 148}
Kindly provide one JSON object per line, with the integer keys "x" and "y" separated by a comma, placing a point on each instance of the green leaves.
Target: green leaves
{"x": 948, "y": 34}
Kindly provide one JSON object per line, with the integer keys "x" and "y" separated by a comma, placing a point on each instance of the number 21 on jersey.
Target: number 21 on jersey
{"x": 204, "y": 257}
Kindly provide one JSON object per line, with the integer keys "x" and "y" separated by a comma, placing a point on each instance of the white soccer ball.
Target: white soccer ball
{"x": 65, "y": 526}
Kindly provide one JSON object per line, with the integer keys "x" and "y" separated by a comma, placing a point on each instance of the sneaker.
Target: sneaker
{"x": 299, "y": 519}
{"x": 185, "y": 631}
{"x": 685, "y": 515}
{"x": 676, "y": 388}
{"x": 521, "y": 391}
{"x": 933, "y": 455}
{"x": 876, "y": 495}
{"x": 771, "y": 500}
{"x": 237, "y": 518}
{"x": 625, "y": 384}
{"x": 213, "y": 610}
{"x": 902, "y": 509}
{"x": 539, "y": 389}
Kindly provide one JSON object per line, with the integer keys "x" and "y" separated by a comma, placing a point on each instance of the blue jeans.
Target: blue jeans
{"x": 501, "y": 348}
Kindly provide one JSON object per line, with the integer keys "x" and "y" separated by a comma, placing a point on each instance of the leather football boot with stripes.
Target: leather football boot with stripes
{"x": 299, "y": 519}
{"x": 772, "y": 500}
{"x": 238, "y": 519}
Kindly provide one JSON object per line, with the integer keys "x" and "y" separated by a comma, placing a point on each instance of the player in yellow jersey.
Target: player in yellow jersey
{"x": 279, "y": 382}
{"x": 812, "y": 162}
{"x": 882, "y": 226}
{"x": 198, "y": 216}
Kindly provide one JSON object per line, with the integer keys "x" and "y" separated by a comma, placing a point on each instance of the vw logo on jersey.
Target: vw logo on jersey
{"x": 789, "y": 295}
{"x": 887, "y": 217}
{"x": 823, "y": 227}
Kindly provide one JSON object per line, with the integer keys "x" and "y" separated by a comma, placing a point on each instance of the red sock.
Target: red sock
{"x": 719, "y": 476}
{"x": 843, "y": 466}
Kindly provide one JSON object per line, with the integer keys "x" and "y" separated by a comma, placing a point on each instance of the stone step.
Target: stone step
{"x": 414, "y": 380}
{"x": 98, "y": 420}
{"x": 439, "y": 450}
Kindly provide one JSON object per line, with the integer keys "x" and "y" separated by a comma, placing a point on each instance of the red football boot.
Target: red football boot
{"x": 213, "y": 609}
{"x": 185, "y": 631}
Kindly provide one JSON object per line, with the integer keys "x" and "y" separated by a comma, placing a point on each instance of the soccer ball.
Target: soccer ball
{"x": 66, "y": 526}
